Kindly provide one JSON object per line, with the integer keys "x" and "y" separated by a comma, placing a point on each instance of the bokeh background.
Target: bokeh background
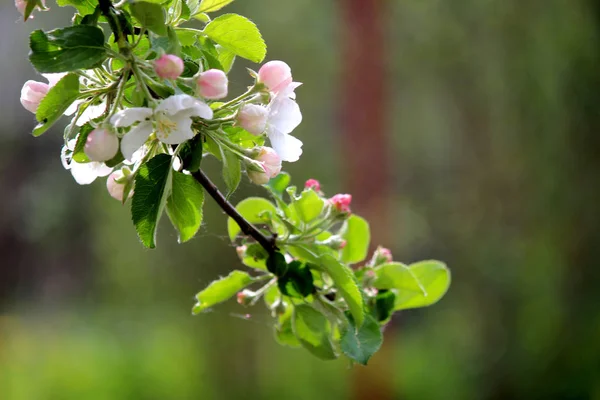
{"x": 466, "y": 130}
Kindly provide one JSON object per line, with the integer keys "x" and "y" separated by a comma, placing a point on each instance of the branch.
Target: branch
{"x": 268, "y": 243}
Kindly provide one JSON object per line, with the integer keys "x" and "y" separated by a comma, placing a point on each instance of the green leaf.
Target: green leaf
{"x": 238, "y": 35}
{"x": 360, "y": 344}
{"x": 419, "y": 285}
{"x": 152, "y": 187}
{"x": 67, "y": 49}
{"x": 226, "y": 59}
{"x": 346, "y": 285}
{"x": 284, "y": 333}
{"x": 232, "y": 171}
{"x": 253, "y": 209}
{"x": 297, "y": 281}
{"x": 278, "y": 184}
{"x": 207, "y": 6}
{"x": 56, "y": 102}
{"x": 79, "y": 153}
{"x": 83, "y": 6}
{"x": 255, "y": 257}
{"x": 276, "y": 264}
{"x": 356, "y": 232}
{"x": 184, "y": 205}
{"x": 191, "y": 156}
{"x": 313, "y": 331}
{"x": 385, "y": 302}
{"x": 222, "y": 290}
{"x": 309, "y": 205}
{"x": 150, "y": 16}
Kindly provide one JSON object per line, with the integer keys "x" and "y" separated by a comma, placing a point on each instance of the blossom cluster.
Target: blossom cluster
{"x": 170, "y": 121}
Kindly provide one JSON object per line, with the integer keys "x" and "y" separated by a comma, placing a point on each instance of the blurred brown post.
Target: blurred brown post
{"x": 365, "y": 144}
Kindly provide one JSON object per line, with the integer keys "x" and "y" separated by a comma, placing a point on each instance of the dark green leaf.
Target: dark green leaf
{"x": 276, "y": 264}
{"x": 152, "y": 187}
{"x": 56, "y": 102}
{"x": 313, "y": 331}
{"x": 67, "y": 49}
{"x": 297, "y": 281}
{"x": 384, "y": 305}
{"x": 360, "y": 344}
{"x": 222, "y": 290}
{"x": 192, "y": 154}
{"x": 238, "y": 35}
{"x": 150, "y": 16}
{"x": 184, "y": 205}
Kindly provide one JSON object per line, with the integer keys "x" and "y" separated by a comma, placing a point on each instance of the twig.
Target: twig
{"x": 268, "y": 243}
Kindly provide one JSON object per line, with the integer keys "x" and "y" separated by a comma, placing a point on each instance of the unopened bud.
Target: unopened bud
{"x": 269, "y": 161}
{"x": 341, "y": 202}
{"x": 241, "y": 251}
{"x": 115, "y": 184}
{"x": 169, "y": 66}
{"x": 22, "y": 5}
{"x": 313, "y": 184}
{"x": 245, "y": 297}
{"x": 212, "y": 84}
{"x": 32, "y": 95}
{"x": 275, "y": 75}
{"x": 101, "y": 145}
{"x": 381, "y": 255}
{"x": 253, "y": 118}
{"x": 335, "y": 242}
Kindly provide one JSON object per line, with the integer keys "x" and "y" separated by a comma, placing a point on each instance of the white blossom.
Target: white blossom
{"x": 284, "y": 117}
{"x": 171, "y": 120}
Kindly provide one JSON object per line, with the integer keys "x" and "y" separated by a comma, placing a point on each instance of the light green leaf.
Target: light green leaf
{"x": 238, "y": 35}
{"x": 418, "y": 285}
{"x": 232, "y": 170}
{"x": 284, "y": 333}
{"x": 67, "y": 49}
{"x": 184, "y": 205}
{"x": 207, "y": 6}
{"x": 309, "y": 205}
{"x": 360, "y": 344}
{"x": 313, "y": 331}
{"x": 226, "y": 58}
{"x": 83, "y": 6}
{"x": 222, "y": 290}
{"x": 150, "y": 15}
{"x": 346, "y": 284}
{"x": 356, "y": 232}
{"x": 255, "y": 257}
{"x": 152, "y": 187}
{"x": 253, "y": 209}
{"x": 56, "y": 102}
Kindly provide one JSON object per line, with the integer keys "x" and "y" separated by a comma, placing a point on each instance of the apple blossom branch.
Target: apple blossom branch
{"x": 268, "y": 243}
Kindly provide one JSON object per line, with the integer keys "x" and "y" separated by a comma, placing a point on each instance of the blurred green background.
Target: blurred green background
{"x": 492, "y": 142}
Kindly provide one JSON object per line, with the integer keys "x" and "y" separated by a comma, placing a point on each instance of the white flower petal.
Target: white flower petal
{"x": 198, "y": 109}
{"x": 287, "y": 147}
{"x": 129, "y": 116}
{"x": 172, "y": 105}
{"x": 180, "y": 131}
{"x": 87, "y": 173}
{"x": 284, "y": 114}
{"x": 90, "y": 113}
{"x": 135, "y": 138}
{"x": 288, "y": 91}
{"x": 73, "y": 107}
{"x": 54, "y": 78}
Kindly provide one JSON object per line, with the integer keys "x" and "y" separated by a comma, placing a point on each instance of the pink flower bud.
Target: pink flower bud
{"x": 212, "y": 84}
{"x": 32, "y": 94}
{"x": 313, "y": 184}
{"x": 22, "y": 5}
{"x": 341, "y": 202}
{"x": 245, "y": 297}
{"x": 116, "y": 189}
{"x": 168, "y": 66}
{"x": 101, "y": 145}
{"x": 253, "y": 118}
{"x": 270, "y": 163}
{"x": 275, "y": 75}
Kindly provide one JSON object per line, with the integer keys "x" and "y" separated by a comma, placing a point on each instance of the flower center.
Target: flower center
{"x": 164, "y": 125}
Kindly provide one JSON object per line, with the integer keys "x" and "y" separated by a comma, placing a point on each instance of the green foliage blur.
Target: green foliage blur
{"x": 493, "y": 121}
